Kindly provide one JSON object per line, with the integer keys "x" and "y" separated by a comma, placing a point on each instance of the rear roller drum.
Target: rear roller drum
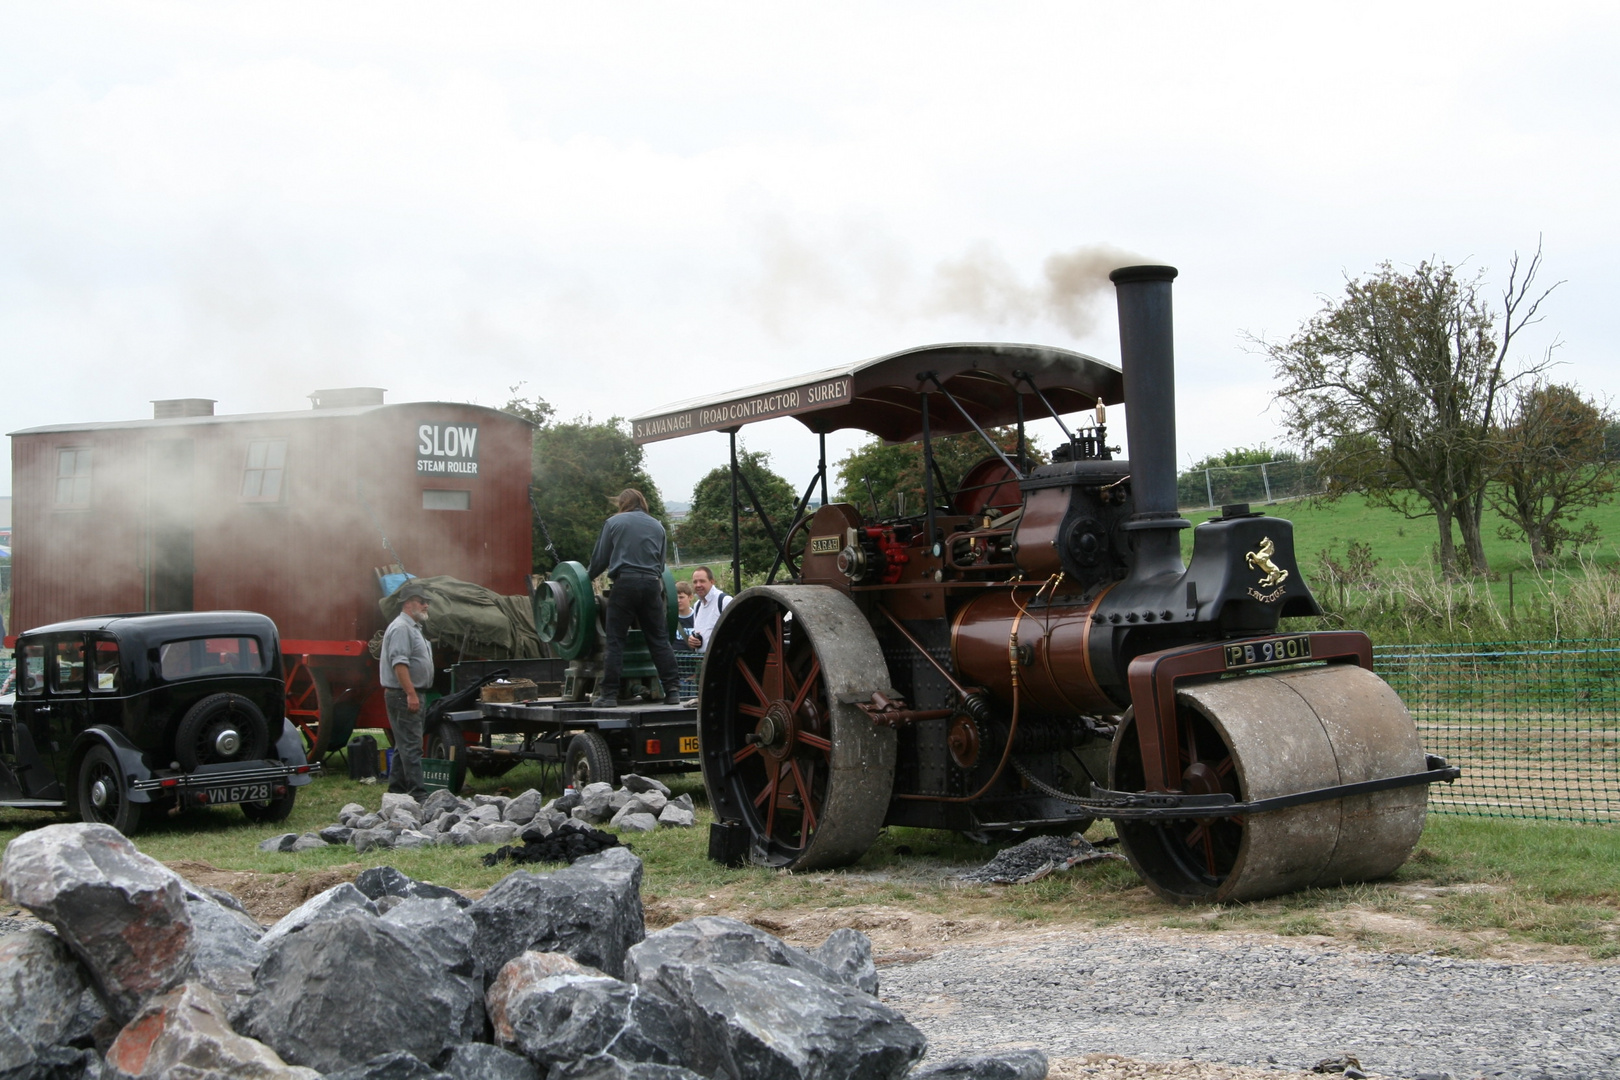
{"x": 1274, "y": 734}
{"x": 785, "y": 749}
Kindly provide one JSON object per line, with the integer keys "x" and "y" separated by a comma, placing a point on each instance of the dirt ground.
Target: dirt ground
{"x": 899, "y": 935}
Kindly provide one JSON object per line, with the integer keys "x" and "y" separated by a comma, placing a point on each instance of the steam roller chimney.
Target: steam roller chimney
{"x": 1147, "y": 358}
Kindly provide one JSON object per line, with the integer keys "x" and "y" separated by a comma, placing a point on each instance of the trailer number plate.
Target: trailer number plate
{"x": 689, "y": 744}
{"x": 1281, "y": 650}
{"x": 826, "y": 545}
{"x": 239, "y": 793}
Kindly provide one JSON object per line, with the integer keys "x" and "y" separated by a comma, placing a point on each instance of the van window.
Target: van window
{"x": 106, "y": 666}
{"x": 67, "y": 673}
{"x": 210, "y": 656}
{"x": 32, "y": 676}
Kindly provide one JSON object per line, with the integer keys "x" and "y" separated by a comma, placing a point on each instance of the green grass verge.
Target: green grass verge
{"x": 1472, "y": 885}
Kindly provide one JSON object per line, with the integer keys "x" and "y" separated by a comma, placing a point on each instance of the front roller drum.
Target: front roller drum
{"x": 1265, "y": 735}
{"x": 786, "y": 750}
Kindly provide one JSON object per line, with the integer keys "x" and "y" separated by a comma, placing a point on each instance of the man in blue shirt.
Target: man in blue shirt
{"x": 631, "y": 552}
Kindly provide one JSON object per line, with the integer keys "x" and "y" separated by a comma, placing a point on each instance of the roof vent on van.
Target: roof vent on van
{"x": 170, "y": 408}
{"x": 347, "y": 397}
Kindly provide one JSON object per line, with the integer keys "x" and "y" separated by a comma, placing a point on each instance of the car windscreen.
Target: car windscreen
{"x": 210, "y": 656}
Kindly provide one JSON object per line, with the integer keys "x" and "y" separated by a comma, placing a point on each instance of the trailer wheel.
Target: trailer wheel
{"x": 271, "y": 810}
{"x": 1274, "y": 734}
{"x": 221, "y": 727}
{"x": 785, "y": 748}
{"x": 589, "y": 761}
{"x": 102, "y": 797}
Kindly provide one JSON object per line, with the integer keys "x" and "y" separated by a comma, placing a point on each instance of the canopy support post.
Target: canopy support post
{"x": 736, "y": 535}
{"x": 821, "y": 436}
{"x": 928, "y": 469}
{"x": 1023, "y": 445}
{"x": 988, "y": 441}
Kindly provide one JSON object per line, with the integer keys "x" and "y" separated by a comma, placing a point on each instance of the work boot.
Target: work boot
{"x": 605, "y": 700}
{"x": 672, "y": 697}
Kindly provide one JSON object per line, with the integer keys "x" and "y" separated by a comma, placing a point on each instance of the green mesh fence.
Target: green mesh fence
{"x": 1535, "y": 725}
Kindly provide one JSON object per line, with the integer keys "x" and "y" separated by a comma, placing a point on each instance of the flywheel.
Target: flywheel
{"x": 1270, "y": 734}
{"x": 785, "y": 748}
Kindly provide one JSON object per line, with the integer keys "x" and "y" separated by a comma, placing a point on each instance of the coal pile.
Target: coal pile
{"x": 547, "y": 975}
{"x": 1035, "y": 858}
{"x": 562, "y": 846}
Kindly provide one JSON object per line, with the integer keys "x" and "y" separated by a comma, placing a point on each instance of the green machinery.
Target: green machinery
{"x": 570, "y": 615}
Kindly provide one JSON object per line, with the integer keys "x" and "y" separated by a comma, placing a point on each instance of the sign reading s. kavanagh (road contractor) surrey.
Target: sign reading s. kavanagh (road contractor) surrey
{"x": 447, "y": 450}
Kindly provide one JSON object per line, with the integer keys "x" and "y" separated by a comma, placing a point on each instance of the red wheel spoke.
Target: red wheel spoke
{"x": 809, "y": 824}
{"x": 774, "y": 662}
{"x": 775, "y": 770}
{"x": 816, "y": 741}
{"x": 753, "y": 683}
{"x": 770, "y": 783}
{"x": 744, "y": 753}
{"x": 1201, "y": 836}
{"x": 751, "y": 710}
{"x": 1224, "y": 767}
{"x": 805, "y": 685}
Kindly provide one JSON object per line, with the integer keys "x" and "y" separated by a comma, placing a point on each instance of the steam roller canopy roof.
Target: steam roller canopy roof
{"x": 884, "y": 396}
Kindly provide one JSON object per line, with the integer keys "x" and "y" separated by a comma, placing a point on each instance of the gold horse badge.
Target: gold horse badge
{"x": 1261, "y": 560}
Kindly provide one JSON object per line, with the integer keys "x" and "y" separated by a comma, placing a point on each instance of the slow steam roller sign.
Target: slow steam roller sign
{"x": 447, "y": 450}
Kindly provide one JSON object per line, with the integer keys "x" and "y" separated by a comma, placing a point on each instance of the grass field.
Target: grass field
{"x": 1474, "y": 887}
{"x": 1406, "y": 599}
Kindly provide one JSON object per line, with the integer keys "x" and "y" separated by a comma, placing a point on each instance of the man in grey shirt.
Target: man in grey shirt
{"x": 406, "y": 670}
{"x": 631, "y": 551}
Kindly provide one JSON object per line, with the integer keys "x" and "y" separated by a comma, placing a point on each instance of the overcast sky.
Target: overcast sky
{"x": 617, "y": 206}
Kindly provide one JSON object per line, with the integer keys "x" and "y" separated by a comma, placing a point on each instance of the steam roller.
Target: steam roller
{"x": 1030, "y": 651}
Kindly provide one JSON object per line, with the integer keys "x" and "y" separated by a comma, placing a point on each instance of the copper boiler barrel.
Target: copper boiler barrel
{"x": 1054, "y": 665}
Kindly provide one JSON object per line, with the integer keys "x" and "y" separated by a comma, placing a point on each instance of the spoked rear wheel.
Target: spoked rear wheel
{"x": 785, "y": 749}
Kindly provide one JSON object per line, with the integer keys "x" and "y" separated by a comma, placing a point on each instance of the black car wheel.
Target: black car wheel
{"x": 103, "y": 799}
{"x": 221, "y": 727}
{"x": 271, "y": 810}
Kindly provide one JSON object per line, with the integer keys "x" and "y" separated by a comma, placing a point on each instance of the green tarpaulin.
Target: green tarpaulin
{"x": 473, "y": 620}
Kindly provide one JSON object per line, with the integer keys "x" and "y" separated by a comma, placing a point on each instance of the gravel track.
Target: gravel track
{"x": 1248, "y": 1001}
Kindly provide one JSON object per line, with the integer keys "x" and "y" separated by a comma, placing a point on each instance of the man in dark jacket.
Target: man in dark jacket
{"x": 631, "y": 552}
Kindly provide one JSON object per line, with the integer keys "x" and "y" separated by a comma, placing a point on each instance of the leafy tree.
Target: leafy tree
{"x": 579, "y": 465}
{"x": 897, "y": 469}
{"x": 1397, "y": 388}
{"x": 1239, "y": 456}
{"x": 707, "y": 527}
{"x": 1552, "y": 465}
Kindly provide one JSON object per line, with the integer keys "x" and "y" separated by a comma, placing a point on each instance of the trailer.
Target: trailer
{"x": 582, "y": 744}
{"x": 298, "y": 515}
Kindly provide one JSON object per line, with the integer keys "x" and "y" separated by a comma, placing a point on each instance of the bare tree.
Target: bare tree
{"x": 1397, "y": 388}
{"x": 1552, "y": 464}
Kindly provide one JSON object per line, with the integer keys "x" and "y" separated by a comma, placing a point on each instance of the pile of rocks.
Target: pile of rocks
{"x": 391, "y": 979}
{"x": 641, "y": 804}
